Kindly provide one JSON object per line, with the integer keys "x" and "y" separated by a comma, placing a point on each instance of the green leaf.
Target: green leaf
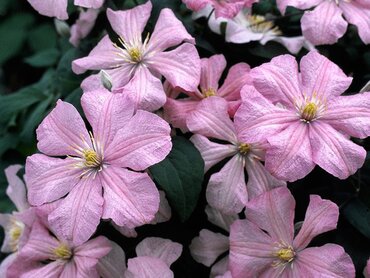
{"x": 180, "y": 175}
{"x": 358, "y": 214}
{"x": 8, "y": 141}
{"x": 43, "y": 58}
{"x": 43, "y": 37}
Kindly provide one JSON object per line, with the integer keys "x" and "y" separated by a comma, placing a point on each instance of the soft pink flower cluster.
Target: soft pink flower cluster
{"x": 273, "y": 123}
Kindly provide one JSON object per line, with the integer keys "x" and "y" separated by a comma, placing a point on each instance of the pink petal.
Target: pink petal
{"x": 147, "y": 267}
{"x": 350, "y": 114}
{"x": 273, "y": 212}
{"x": 53, "y": 269}
{"x": 177, "y": 111}
{"x": 181, "y": 66}
{"x": 211, "y": 119}
{"x": 221, "y": 269}
{"x": 299, "y": 4}
{"x": 6, "y": 263}
{"x": 143, "y": 141}
{"x": 69, "y": 270}
{"x": 103, "y": 56}
{"x": 16, "y": 189}
{"x": 107, "y": 113}
{"x": 238, "y": 33}
{"x": 127, "y": 232}
{"x": 259, "y": 179}
{"x": 6, "y": 221}
{"x": 95, "y": 248}
{"x": 358, "y": 15}
{"x": 49, "y": 178}
{"x": 167, "y": 23}
{"x": 237, "y": 77}
{"x": 195, "y": 5}
{"x": 94, "y": 4}
{"x": 227, "y": 9}
{"x": 219, "y": 219}
{"x": 146, "y": 90}
{"x": 250, "y": 250}
{"x": 129, "y": 24}
{"x": 62, "y": 131}
{"x": 293, "y": 44}
{"x": 367, "y": 269}
{"x": 329, "y": 260}
{"x": 52, "y": 8}
{"x": 321, "y": 77}
{"x": 78, "y": 215}
{"x": 290, "y": 154}
{"x": 278, "y": 80}
{"x": 83, "y": 26}
{"x": 321, "y": 216}
{"x": 164, "y": 213}
{"x": 212, "y": 153}
{"x": 91, "y": 83}
{"x": 212, "y": 69}
{"x": 208, "y": 246}
{"x": 131, "y": 199}
{"x": 112, "y": 265}
{"x": 163, "y": 249}
{"x": 333, "y": 152}
{"x": 324, "y": 25}
{"x": 258, "y": 119}
{"x": 226, "y": 190}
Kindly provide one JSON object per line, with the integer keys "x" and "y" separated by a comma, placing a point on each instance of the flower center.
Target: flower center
{"x": 62, "y": 252}
{"x": 133, "y": 51}
{"x": 135, "y": 54}
{"x": 286, "y": 254}
{"x": 15, "y": 233}
{"x": 244, "y": 148}
{"x": 259, "y": 24}
{"x": 210, "y": 92}
{"x": 92, "y": 160}
{"x": 309, "y": 111}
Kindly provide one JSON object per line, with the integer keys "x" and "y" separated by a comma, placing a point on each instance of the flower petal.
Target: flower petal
{"x": 6, "y": 221}
{"x": 208, "y": 246}
{"x": 52, "y": 269}
{"x": 329, "y": 260}
{"x": 358, "y": 15}
{"x": 367, "y": 269}
{"x": 167, "y": 23}
{"x": 130, "y": 24}
{"x": 212, "y": 69}
{"x": 321, "y": 216}
{"x": 181, "y": 66}
{"x": 259, "y": 179}
{"x": 236, "y": 32}
{"x": 62, "y": 131}
{"x": 127, "y": 232}
{"x": 78, "y": 215}
{"x": 212, "y": 153}
{"x": 147, "y": 267}
{"x": 333, "y": 152}
{"x": 299, "y": 4}
{"x": 221, "y": 269}
{"x": 52, "y": 8}
{"x": 95, "y": 248}
{"x": 278, "y": 80}
{"x": 321, "y": 77}
{"x": 226, "y": 190}
{"x": 6, "y": 263}
{"x": 219, "y": 219}
{"x": 94, "y": 4}
{"x": 49, "y": 178}
{"x": 164, "y": 213}
{"x": 289, "y": 156}
{"x": 323, "y": 25}
{"x": 211, "y": 119}
{"x": 273, "y": 212}
{"x": 145, "y": 140}
{"x": 112, "y": 265}
{"x": 131, "y": 199}
{"x": 163, "y": 249}
{"x": 177, "y": 110}
{"x": 250, "y": 250}
{"x": 350, "y": 114}
{"x": 16, "y": 189}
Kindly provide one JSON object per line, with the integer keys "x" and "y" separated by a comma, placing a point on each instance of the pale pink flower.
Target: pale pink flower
{"x": 223, "y": 8}
{"x": 227, "y": 190}
{"x": 58, "y": 8}
{"x": 367, "y": 270}
{"x": 209, "y": 246}
{"x": 325, "y": 23}
{"x": 304, "y": 118}
{"x": 154, "y": 258}
{"x": 45, "y": 255}
{"x": 177, "y": 110}
{"x": 94, "y": 175}
{"x": 140, "y": 64}
{"x": 83, "y": 26}
{"x": 263, "y": 245}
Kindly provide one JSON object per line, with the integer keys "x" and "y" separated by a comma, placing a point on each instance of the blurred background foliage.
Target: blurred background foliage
{"x": 35, "y": 71}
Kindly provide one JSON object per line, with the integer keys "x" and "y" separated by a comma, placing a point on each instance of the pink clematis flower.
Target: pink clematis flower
{"x": 209, "y": 246}
{"x": 45, "y": 255}
{"x": 83, "y": 26}
{"x": 94, "y": 175}
{"x": 227, "y": 190}
{"x": 263, "y": 245}
{"x": 140, "y": 64}
{"x": 58, "y": 8}
{"x": 176, "y": 111}
{"x": 367, "y": 270}
{"x": 325, "y": 23}
{"x": 223, "y": 8}
{"x": 304, "y": 118}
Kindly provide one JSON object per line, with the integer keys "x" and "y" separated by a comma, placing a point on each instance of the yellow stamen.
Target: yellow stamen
{"x": 210, "y": 92}
{"x": 92, "y": 159}
{"x": 309, "y": 111}
{"x": 135, "y": 54}
{"x": 259, "y": 24}
{"x": 15, "y": 233}
{"x": 286, "y": 255}
{"x": 62, "y": 252}
{"x": 244, "y": 148}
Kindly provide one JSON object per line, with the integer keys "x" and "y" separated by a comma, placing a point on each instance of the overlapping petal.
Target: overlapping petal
{"x": 16, "y": 189}
{"x": 112, "y": 265}
{"x": 52, "y": 8}
{"x": 212, "y": 69}
{"x": 147, "y": 267}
